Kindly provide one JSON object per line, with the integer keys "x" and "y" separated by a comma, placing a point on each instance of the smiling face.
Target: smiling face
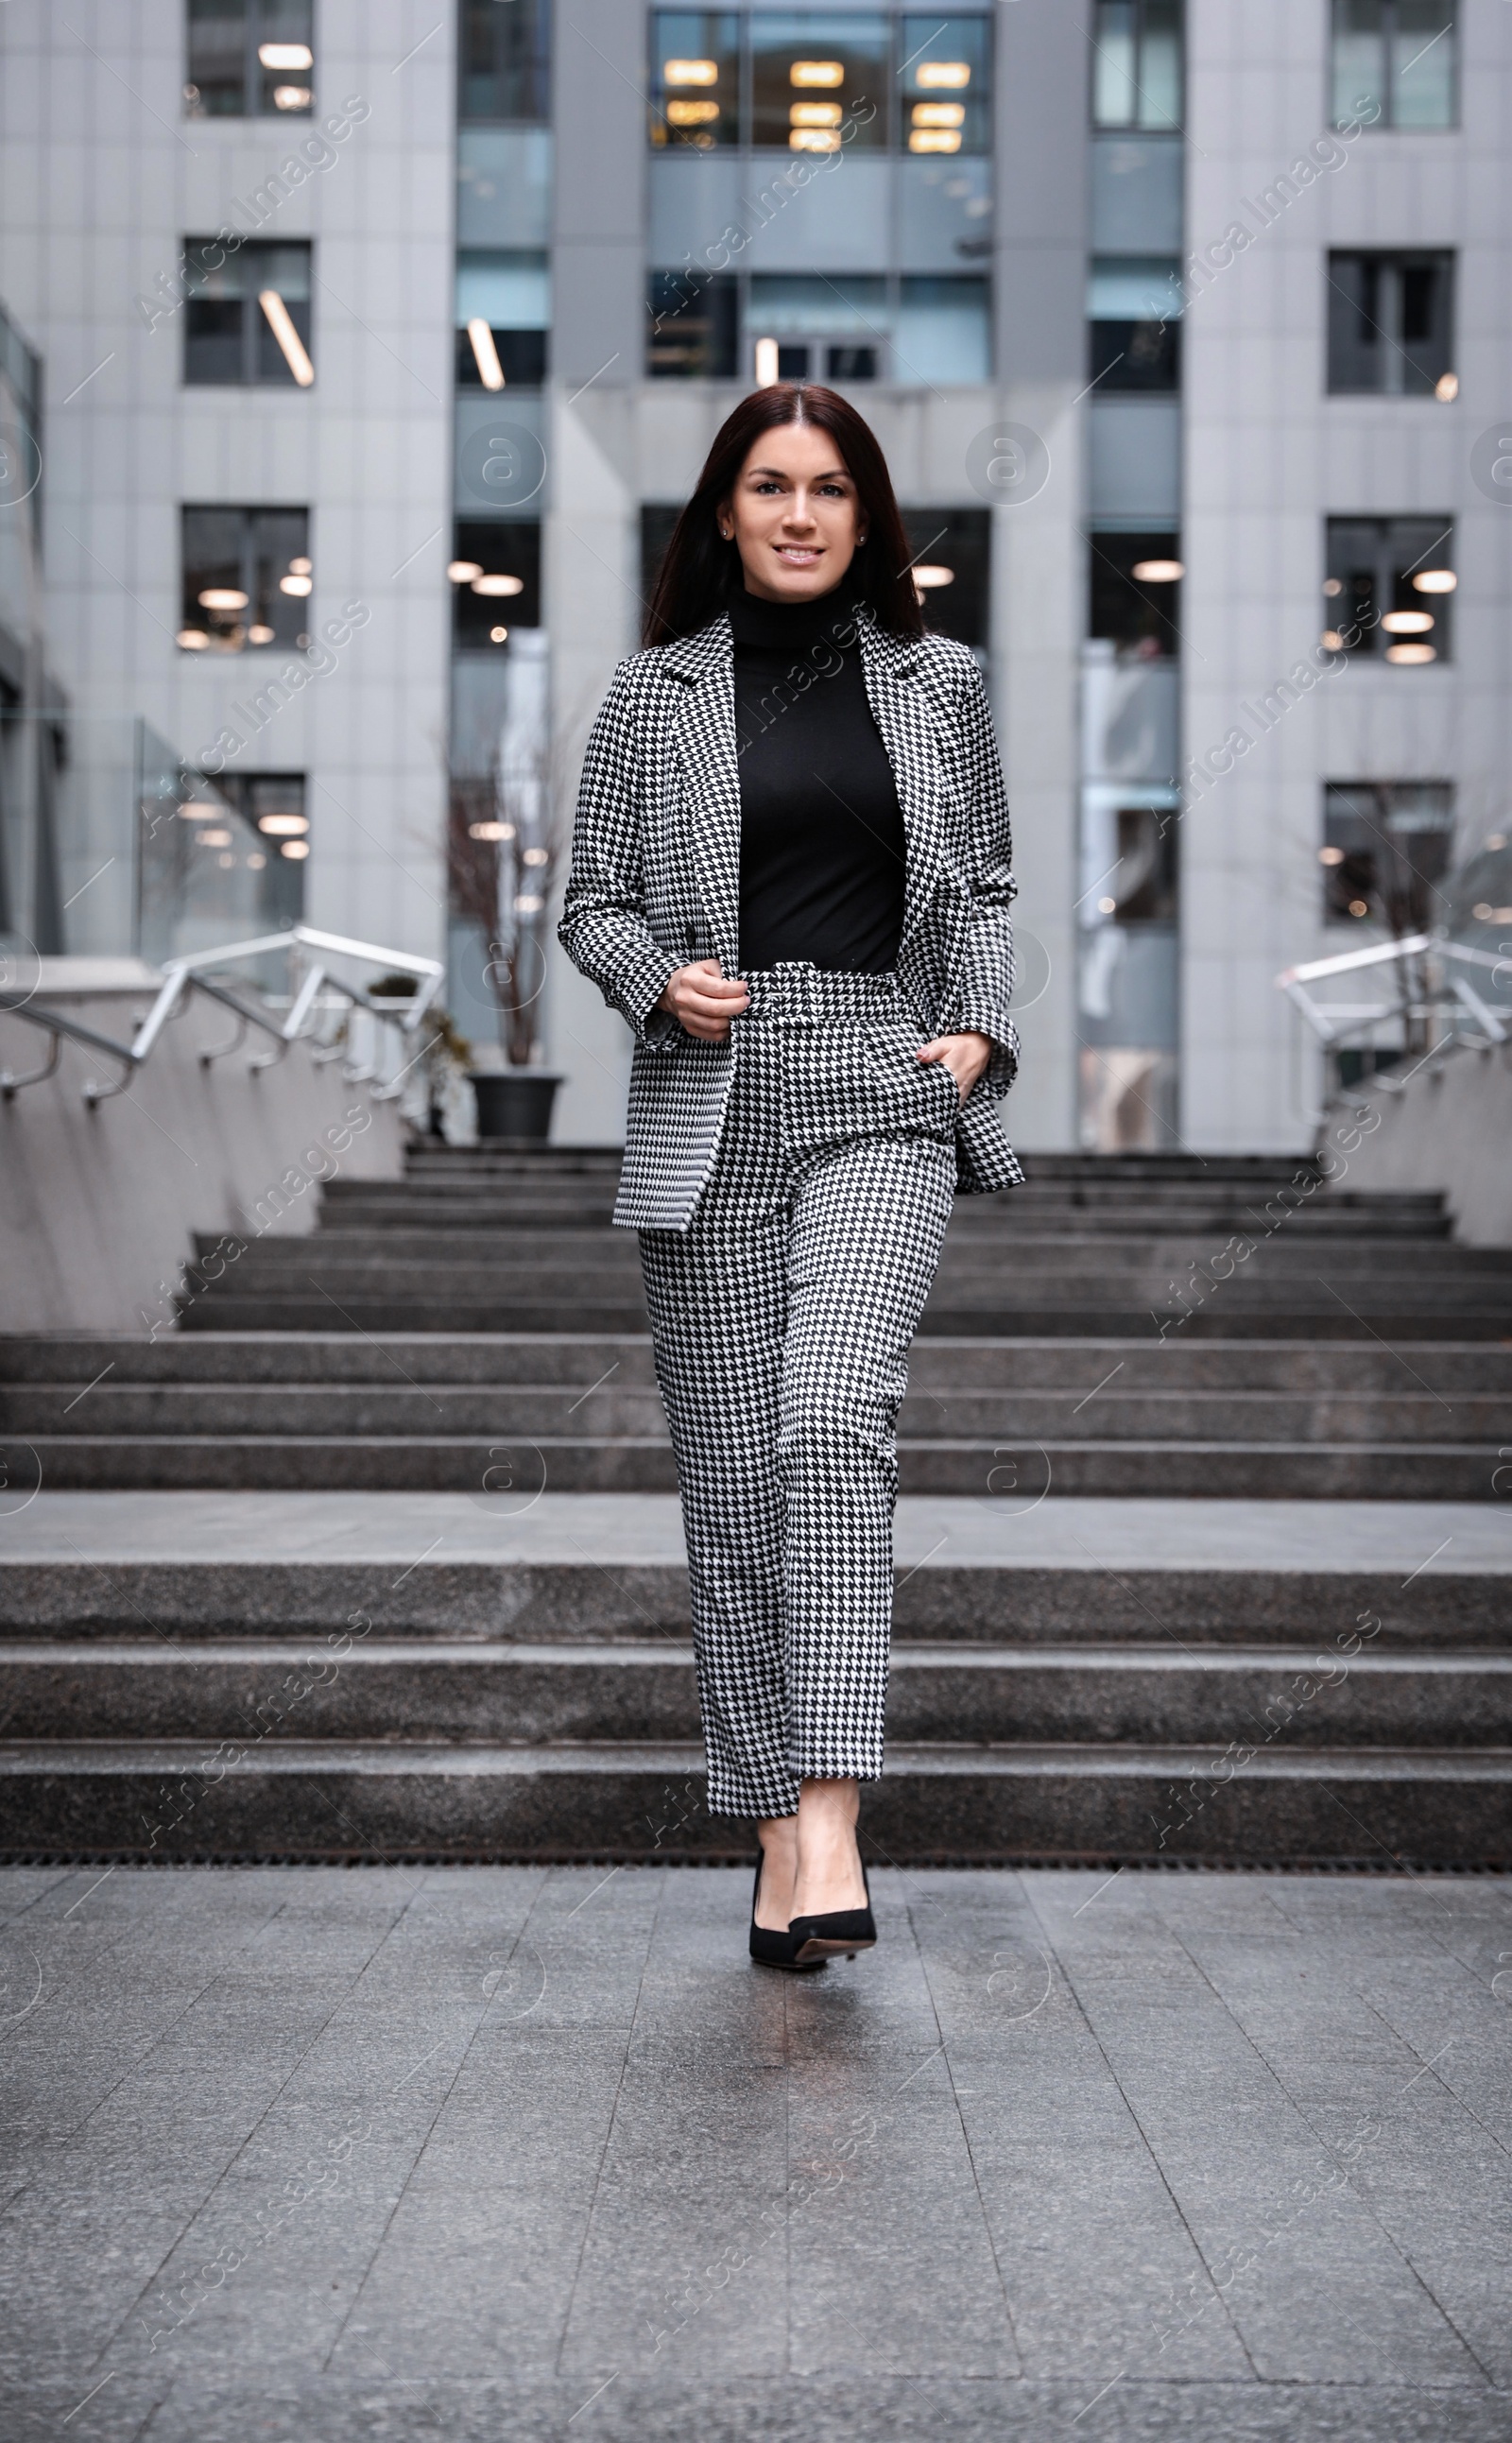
{"x": 794, "y": 515}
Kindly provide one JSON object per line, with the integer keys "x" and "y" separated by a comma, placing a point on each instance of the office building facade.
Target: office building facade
{"x": 378, "y": 346}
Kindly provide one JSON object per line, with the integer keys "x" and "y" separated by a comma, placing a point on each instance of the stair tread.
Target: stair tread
{"x": 21, "y": 1757}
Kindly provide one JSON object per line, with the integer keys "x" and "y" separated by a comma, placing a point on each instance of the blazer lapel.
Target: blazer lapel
{"x": 710, "y": 782}
{"x": 904, "y": 719}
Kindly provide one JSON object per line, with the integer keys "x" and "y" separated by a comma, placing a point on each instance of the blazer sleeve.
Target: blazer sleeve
{"x": 603, "y": 928}
{"x": 981, "y": 984}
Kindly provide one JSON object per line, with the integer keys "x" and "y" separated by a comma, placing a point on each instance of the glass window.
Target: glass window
{"x": 250, "y": 59}
{"x": 1136, "y": 64}
{"x": 503, "y": 315}
{"x": 943, "y": 331}
{"x": 951, "y": 555}
{"x": 819, "y": 82}
{"x": 803, "y": 327}
{"x": 1386, "y": 844}
{"x": 247, "y": 580}
{"x": 1136, "y": 592}
{"x": 495, "y": 581}
{"x": 1135, "y": 323}
{"x": 1390, "y": 588}
{"x": 946, "y": 86}
{"x": 1390, "y": 324}
{"x": 247, "y": 318}
{"x": 504, "y": 55}
{"x": 693, "y": 327}
{"x": 1395, "y": 62}
{"x": 694, "y": 83}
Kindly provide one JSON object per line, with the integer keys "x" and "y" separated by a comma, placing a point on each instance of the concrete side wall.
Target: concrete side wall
{"x": 99, "y": 1207}
{"x": 1449, "y": 1127}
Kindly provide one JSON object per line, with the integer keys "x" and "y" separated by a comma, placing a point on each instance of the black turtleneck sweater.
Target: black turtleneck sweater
{"x": 822, "y": 848}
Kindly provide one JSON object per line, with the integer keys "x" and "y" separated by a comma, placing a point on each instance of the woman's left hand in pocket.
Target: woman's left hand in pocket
{"x": 963, "y": 1056}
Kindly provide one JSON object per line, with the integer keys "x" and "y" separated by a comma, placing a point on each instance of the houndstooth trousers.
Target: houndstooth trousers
{"x": 780, "y": 1320}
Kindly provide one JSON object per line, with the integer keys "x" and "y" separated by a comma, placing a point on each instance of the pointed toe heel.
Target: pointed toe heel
{"x": 770, "y": 1947}
{"x": 818, "y": 1939}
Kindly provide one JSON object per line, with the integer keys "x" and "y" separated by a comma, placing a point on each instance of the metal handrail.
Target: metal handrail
{"x": 184, "y": 975}
{"x": 1469, "y": 1018}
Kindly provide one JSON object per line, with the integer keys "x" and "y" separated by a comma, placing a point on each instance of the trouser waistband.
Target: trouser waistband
{"x": 796, "y": 988}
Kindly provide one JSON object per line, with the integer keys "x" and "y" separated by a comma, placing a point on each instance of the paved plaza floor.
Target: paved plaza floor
{"x": 498, "y": 2153}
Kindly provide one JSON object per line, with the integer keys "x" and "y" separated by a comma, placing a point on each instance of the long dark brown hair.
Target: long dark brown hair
{"x": 699, "y": 565}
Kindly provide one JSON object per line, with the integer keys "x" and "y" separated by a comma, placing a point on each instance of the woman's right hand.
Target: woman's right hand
{"x": 704, "y": 1001}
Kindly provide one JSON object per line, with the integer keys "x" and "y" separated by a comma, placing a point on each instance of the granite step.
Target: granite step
{"x": 502, "y": 1469}
{"x": 618, "y": 1411}
{"x": 575, "y": 1359}
{"x": 511, "y": 1694}
{"x": 1069, "y": 1803}
{"x": 580, "y": 1362}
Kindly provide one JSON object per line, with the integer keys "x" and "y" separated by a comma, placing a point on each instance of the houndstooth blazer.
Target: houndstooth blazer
{"x": 655, "y": 884}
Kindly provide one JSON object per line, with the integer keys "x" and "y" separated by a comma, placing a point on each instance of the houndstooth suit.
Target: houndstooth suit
{"x": 655, "y": 884}
{"x": 791, "y": 1187}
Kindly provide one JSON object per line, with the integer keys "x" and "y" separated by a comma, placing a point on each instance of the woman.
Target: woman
{"x": 791, "y": 875}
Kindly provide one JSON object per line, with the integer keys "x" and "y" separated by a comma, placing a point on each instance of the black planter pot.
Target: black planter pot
{"x": 514, "y": 1102}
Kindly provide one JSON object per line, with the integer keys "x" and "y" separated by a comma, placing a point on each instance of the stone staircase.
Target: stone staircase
{"x": 462, "y": 1355}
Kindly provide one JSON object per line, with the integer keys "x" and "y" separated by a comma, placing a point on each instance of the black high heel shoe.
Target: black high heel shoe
{"x": 818, "y": 1939}
{"x": 768, "y": 1945}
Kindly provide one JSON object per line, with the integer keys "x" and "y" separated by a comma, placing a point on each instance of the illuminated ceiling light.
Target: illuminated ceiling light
{"x": 292, "y": 97}
{"x": 1496, "y": 840}
{"x": 813, "y": 139}
{"x": 1408, "y": 623}
{"x": 201, "y": 810}
{"x": 214, "y": 839}
{"x": 462, "y": 572}
{"x": 1359, "y": 906}
{"x": 259, "y": 634}
{"x": 284, "y": 826}
{"x": 282, "y": 325}
{"x": 302, "y": 567}
{"x": 485, "y": 355}
{"x": 488, "y": 831}
{"x": 1446, "y": 388}
{"x": 1332, "y": 585}
{"x": 934, "y": 139}
{"x": 942, "y": 76}
{"x": 223, "y": 597}
{"x": 226, "y": 858}
{"x": 498, "y": 636}
{"x": 939, "y": 114}
{"x": 285, "y": 55}
{"x": 295, "y": 848}
{"x": 1330, "y": 857}
{"x": 1332, "y": 641}
{"x": 1158, "y": 572}
{"x": 528, "y": 902}
{"x": 692, "y": 113}
{"x": 492, "y": 585}
{"x": 1436, "y": 580}
{"x": 1106, "y": 907}
{"x": 815, "y": 113}
{"x": 194, "y": 640}
{"x": 1483, "y": 911}
{"x": 817, "y": 72}
{"x": 535, "y": 857}
{"x": 258, "y": 860}
{"x": 297, "y": 585}
{"x": 931, "y": 575}
{"x": 767, "y": 363}
{"x": 690, "y": 71}
{"x": 1411, "y": 653}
